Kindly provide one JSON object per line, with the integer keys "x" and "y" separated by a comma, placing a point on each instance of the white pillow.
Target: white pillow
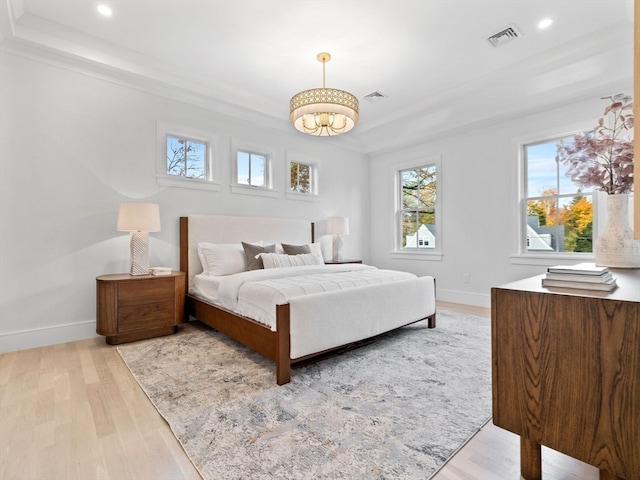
{"x": 221, "y": 258}
{"x": 279, "y": 260}
{"x": 316, "y": 250}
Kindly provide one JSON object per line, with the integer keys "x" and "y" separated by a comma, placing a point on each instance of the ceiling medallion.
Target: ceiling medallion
{"x": 323, "y": 111}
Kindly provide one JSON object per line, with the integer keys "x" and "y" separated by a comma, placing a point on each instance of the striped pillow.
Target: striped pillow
{"x": 280, "y": 260}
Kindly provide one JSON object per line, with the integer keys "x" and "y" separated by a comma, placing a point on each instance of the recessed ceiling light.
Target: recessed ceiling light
{"x": 104, "y": 10}
{"x": 546, "y": 23}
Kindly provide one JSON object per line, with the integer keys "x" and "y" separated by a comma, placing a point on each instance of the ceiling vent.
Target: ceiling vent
{"x": 504, "y": 36}
{"x": 375, "y": 97}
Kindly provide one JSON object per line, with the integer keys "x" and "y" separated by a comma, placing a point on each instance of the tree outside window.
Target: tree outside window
{"x": 300, "y": 177}
{"x": 559, "y": 212}
{"x": 186, "y": 157}
{"x": 418, "y": 188}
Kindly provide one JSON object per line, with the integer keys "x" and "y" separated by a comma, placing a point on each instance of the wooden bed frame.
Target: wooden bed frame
{"x": 256, "y": 336}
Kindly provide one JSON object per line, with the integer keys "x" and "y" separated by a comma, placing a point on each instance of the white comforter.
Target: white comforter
{"x": 255, "y": 293}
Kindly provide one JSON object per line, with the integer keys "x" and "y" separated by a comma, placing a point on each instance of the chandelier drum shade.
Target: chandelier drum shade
{"x": 323, "y": 111}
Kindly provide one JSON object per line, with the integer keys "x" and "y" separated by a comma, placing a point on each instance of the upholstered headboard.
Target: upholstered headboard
{"x": 229, "y": 229}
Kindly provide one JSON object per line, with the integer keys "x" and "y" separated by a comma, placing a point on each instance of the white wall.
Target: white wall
{"x": 479, "y": 180}
{"x": 73, "y": 145}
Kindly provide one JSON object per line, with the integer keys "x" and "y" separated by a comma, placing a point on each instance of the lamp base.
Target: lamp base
{"x": 337, "y": 246}
{"x": 139, "y": 249}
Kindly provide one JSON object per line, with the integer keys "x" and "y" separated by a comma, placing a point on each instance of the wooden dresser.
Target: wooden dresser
{"x": 566, "y": 372}
{"x": 136, "y": 307}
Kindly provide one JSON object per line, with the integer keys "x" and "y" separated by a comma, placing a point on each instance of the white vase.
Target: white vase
{"x": 616, "y": 246}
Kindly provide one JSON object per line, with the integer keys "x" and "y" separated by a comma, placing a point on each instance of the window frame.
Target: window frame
{"x": 313, "y": 195}
{"x": 521, "y": 255}
{"x": 435, "y": 254}
{"x": 212, "y": 165}
{"x": 265, "y": 191}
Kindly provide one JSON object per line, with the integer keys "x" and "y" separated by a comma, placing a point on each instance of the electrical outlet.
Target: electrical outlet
{"x": 466, "y": 278}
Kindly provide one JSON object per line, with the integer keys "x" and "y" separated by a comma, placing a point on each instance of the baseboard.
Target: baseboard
{"x": 465, "y": 298}
{"x": 41, "y": 337}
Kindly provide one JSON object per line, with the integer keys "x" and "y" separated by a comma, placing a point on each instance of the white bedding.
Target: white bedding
{"x": 254, "y": 294}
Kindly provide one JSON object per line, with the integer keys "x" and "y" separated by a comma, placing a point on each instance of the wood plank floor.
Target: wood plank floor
{"x": 73, "y": 411}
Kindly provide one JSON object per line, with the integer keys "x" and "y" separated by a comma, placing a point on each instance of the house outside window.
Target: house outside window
{"x": 185, "y": 158}
{"x": 418, "y": 208}
{"x": 558, "y": 213}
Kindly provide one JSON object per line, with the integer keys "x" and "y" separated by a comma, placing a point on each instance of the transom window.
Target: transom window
{"x": 559, "y": 213}
{"x": 252, "y": 169}
{"x": 186, "y": 157}
{"x": 418, "y": 200}
{"x": 301, "y": 177}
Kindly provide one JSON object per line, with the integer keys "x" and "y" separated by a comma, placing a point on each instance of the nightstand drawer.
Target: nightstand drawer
{"x": 134, "y": 292}
{"x": 150, "y": 315}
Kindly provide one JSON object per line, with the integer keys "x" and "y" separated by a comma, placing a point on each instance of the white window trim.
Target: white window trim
{"x": 436, "y": 254}
{"x": 313, "y": 196}
{"x": 213, "y": 167}
{"x": 237, "y": 188}
{"x": 520, "y": 255}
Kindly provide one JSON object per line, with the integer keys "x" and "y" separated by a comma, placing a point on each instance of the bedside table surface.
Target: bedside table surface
{"x": 128, "y": 276}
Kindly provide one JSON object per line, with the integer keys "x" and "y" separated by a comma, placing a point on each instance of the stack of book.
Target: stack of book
{"x": 586, "y": 276}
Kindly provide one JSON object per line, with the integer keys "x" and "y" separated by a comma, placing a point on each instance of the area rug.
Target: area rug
{"x": 398, "y": 407}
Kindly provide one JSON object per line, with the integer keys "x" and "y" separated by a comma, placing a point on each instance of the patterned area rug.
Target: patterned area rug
{"x": 399, "y": 407}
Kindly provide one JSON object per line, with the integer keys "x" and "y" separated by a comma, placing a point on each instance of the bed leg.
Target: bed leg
{"x": 431, "y": 321}
{"x": 283, "y": 344}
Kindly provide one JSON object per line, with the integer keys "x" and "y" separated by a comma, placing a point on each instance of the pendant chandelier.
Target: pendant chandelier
{"x": 323, "y": 111}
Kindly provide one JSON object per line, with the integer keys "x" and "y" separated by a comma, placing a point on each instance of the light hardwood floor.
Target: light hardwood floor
{"x": 73, "y": 411}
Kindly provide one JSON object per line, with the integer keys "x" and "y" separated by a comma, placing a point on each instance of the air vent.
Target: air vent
{"x": 375, "y": 97}
{"x": 504, "y": 36}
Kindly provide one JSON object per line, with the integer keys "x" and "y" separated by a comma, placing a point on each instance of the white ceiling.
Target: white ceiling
{"x": 430, "y": 57}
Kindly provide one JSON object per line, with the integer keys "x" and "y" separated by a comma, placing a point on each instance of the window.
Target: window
{"x": 251, "y": 169}
{"x": 418, "y": 208}
{"x": 558, "y": 213}
{"x": 301, "y": 177}
{"x": 185, "y": 158}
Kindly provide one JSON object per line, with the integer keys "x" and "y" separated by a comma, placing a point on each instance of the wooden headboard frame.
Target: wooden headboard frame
{"x": 232, "y": 229}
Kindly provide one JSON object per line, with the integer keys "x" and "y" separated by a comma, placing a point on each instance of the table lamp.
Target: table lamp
{"x": 337, "y": 226}
{"x": 139, "y": 219}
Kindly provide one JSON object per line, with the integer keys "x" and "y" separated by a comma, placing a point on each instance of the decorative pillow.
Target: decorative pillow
{"x": 252, "y": 252}
{"x": 278, "y": 260}
{"x": 295, "y": 249}
{"x": 221, "y": 258}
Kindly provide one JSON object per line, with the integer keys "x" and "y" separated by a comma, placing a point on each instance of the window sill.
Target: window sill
{"x": 422, "y": 256}
{"x": 195, "y": 183}
{"x": 257, "y": 191}
{"x": 551, "y": 259}
{"x": 305, "y": 197}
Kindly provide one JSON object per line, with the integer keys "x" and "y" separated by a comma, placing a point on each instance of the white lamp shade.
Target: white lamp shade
{"x": 338, "y": 226}
{"x": 139, "y": 217}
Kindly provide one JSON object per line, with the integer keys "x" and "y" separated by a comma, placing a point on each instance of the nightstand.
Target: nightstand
{"x": 344, "y": 260}
{"x": 133, "y": 308}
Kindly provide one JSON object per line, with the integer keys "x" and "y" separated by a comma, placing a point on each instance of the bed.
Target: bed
{"x": 306, "y": 317}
